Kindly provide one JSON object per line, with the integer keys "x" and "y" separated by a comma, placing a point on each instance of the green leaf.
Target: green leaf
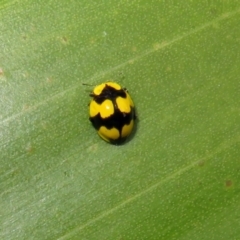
{"x": 177, "y": 177}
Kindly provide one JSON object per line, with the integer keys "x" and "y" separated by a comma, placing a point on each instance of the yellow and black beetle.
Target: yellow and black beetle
{"x": 112, "y": 112}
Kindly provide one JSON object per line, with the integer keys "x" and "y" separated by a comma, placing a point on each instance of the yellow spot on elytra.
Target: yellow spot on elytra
{"x": 106, "y": 134}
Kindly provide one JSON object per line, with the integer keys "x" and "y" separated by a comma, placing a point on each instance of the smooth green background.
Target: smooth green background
{"x": 178, "y": 176}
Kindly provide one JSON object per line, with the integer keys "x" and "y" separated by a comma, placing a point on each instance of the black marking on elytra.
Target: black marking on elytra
{"x": 108, "y": 92}
{"x": 117, "y": 120}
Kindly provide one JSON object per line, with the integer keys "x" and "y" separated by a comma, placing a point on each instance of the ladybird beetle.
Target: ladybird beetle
{"x": 112, "y": 112}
